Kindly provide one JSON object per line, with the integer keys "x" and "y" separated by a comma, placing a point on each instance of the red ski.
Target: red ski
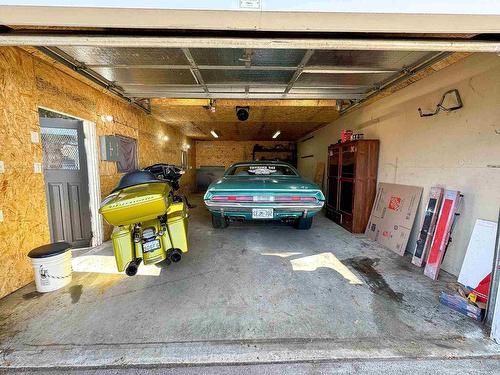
{"x": 428, "y": 224}
{"x": 451, "y": 200}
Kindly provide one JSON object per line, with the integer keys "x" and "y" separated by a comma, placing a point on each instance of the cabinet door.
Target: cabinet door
{"x": 331, "y": 200}
{"x": 348, "y": 161}
{"x": 333, "y": 162}
{"x": 346, "y": 196}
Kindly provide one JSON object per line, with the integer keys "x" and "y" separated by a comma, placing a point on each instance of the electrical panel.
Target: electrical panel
{"x": 109, "y": 147}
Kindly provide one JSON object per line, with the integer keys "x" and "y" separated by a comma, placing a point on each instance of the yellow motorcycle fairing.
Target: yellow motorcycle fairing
{"x": 177, "y": 224}
{"x": 136, "y": 204}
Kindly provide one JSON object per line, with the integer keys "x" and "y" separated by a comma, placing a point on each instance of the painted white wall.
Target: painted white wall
{"x": 456, "y": 150}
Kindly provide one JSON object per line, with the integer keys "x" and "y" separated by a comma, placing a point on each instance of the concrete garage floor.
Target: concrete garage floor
{"x": 251, "y": 293}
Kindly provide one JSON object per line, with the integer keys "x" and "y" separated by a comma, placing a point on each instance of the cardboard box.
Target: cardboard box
{"x": 461, "y": 305}
{"x": 393, "y": 215}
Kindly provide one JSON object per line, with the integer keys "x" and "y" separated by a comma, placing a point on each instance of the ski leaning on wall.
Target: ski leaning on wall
{"x": 428, "y": 225}
{"x": 445, "y": 223}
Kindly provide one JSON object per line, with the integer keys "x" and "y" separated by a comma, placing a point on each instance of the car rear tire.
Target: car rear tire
{"x": 304, "y": 223}
{"x": 219, "y": 221}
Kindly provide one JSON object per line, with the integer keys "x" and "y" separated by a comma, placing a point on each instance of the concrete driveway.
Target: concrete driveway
{"x": 252, "y": 293}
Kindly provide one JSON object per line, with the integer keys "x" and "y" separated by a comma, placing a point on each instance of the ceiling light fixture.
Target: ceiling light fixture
{"x": 275, "y": 135}
{"x": 214, "y": 134}
{"x": 165, "y": 138}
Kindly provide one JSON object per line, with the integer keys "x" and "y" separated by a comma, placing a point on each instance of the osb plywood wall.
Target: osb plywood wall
{"x": 225, "y": 153}
{"x": 26, "y": 83}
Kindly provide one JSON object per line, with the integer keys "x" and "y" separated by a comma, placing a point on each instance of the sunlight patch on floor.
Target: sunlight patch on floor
{"x": 107, "y": 264}
{"x": 281, "y": 255}
{"x": 325, "y": 260}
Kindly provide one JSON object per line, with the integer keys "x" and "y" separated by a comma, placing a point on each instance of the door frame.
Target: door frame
{"x": 94, "y": 182}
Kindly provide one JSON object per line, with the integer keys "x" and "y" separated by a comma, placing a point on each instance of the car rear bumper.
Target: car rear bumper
{"x": 281, "y": 211}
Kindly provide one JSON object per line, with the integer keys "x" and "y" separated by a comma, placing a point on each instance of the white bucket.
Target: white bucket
{"x": 52, "y": 273}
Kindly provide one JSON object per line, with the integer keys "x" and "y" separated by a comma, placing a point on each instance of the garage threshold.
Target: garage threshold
{"x": 244, "y": 352}
{"x": 248, "y": 294}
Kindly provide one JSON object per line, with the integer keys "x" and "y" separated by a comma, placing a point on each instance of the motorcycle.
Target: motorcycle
{"x": 150, "y": 219}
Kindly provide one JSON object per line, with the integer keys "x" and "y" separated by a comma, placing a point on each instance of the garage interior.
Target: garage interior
{"x": 253, "y": 292}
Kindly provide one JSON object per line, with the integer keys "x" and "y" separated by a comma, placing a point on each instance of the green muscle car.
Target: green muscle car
{"x": 263, "y": 190}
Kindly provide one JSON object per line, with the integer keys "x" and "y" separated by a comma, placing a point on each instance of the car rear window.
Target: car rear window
{"x": 261, "y": 170}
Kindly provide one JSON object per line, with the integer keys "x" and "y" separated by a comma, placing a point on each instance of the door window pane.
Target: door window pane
{"x": 60, "y": 148}
{"x": 348, "y": 161}
{"x": 334, "y": 163}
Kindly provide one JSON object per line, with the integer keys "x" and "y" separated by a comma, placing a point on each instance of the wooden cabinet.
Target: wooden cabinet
{"x": 352, "y": 183}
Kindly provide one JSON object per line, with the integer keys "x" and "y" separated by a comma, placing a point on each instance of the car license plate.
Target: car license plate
{"x": 263, "y": 198}
{"x": 262, "y": 213}
{"x": 150, "y": 246}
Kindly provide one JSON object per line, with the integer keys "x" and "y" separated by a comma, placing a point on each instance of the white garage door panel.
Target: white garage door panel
{"x": 450, "y": 16}
{"x": 485, "y": 7}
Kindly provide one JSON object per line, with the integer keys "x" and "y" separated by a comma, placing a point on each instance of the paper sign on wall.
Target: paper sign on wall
{"x": 250, "y": 4}
{"x": 393, "y": 215}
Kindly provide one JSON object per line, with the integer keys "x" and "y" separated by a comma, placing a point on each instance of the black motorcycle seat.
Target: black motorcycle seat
{"x": 136, "y": 178}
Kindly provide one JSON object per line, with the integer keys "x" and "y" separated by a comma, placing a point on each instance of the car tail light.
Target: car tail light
{"x": 294, "y": 198}
{"x": 269, "y": 198}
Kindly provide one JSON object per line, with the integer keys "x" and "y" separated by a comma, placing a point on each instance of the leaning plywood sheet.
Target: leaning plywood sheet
{"x": 320, "y": 171}
{"x": 478, "y": 259}
{"x": 393, "y": 215}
